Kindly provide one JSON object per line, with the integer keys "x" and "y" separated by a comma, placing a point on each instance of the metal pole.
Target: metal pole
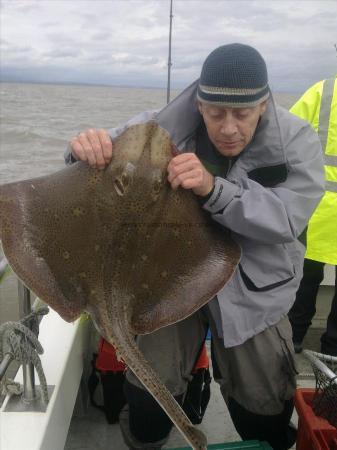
{"x": 29, "y": 392}
{"x": 3, "y": 266}
{"x": 169, "y": 63}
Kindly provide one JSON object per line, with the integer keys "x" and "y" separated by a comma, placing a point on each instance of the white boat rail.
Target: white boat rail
{"x": 3, "y": 266}
{"x": 45, "y": 423}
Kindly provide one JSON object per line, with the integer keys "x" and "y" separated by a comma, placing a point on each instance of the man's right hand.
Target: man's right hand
{"x": 93, "y": 146}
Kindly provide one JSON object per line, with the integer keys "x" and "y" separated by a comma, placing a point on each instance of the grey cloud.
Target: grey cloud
{"x": 63, "y": 53}
{"x": 323, "y": 21}
{"x": 86, "y": 19}
{"x": 50, "y": 24}
{"x": 21, "y": 6}
{"x": 59, "y": 37}
{"x": 10, "y": 49}
{"x": 134, "y": 60}
{"x": 301, "y": 69}
{"x": 146, "y": 22}
{"x": 100, "y": 35}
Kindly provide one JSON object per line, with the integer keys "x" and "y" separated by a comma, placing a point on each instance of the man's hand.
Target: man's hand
{"x": 187, "y": 171}
{"x": 93, "y": 146}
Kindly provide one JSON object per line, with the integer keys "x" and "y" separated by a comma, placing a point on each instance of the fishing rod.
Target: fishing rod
{"x": 169, "y": 63}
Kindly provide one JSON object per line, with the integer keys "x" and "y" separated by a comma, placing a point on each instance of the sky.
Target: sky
{"x": 125, "y": 43}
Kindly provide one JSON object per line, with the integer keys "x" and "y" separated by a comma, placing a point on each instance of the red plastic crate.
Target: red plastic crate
{"x": 314, "y": 433}
{"x": 107, "y": 359}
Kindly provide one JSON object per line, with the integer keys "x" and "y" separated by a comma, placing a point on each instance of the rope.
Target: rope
{"x": 24, "y": 347}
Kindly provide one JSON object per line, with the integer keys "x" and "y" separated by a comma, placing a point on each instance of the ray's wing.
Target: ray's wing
{"x": 47, "y": 229}
{"x": 185, "y": 280}
{"x": 167, "y": 268}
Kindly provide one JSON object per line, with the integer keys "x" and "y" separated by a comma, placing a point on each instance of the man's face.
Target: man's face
{"x": 231, "y": 129}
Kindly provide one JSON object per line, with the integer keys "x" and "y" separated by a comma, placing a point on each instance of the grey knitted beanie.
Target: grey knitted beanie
{"x": 233, "y": 75}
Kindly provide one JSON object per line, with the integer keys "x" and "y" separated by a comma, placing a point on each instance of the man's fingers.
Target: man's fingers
{"x": 87, "y": 148}
{"x": 77, "y": 150}
{"x": 182, "y": 158}
{"x": 187, "y": 171}
{"x": 187, "y": 179}
{"x": 96, "y": 148}
{"x": 93, "y": 146}
{"x": 183, "y": 167}
{"x": 106, "y": 144}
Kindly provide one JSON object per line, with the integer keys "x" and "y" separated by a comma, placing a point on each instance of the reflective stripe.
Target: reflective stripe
{"x": 324, "y": 115}
{"x": 330, "y": 173}
{"x": 331, "y": 186}
{"x": 330, "y": 160}
{"x": 323, "y": 129}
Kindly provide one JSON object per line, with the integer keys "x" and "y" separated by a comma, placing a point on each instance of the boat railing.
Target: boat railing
{"x": 65, "y": 355}
{"x": 3, "y": 267}
{"x": 25, "y": 308}
{"x": 31, "y": 398}
{"x": 7, "y": 359}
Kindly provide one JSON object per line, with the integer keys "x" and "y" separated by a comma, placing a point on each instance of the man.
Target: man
{"x": 258, "y": 171}
{"x": 318, "y": 106}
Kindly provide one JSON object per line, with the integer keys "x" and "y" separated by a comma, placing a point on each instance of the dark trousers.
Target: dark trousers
{"x": 257, "y": 380}
{"x": 304, "y": 308}
{"x": 149, "y": 423}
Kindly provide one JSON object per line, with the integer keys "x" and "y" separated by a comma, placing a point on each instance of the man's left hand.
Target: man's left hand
{"x": 187, "y": 171}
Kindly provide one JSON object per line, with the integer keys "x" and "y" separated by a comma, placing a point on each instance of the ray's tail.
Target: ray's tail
{"x": 127, "y": 348}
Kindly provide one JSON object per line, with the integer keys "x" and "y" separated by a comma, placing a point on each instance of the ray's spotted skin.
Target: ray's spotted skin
{"x": 122, "y": 245}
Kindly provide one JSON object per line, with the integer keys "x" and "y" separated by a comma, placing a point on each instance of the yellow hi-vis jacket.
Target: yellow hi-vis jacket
{"x": 318, "y": 106}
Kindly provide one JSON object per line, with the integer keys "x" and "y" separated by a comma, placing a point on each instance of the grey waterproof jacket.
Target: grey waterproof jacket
{"x": 266, "y": 201}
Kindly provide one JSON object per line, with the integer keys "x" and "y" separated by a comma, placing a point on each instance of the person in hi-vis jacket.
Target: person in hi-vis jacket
{"x": 318, "y": 105}
{"x": 258, "y": 171}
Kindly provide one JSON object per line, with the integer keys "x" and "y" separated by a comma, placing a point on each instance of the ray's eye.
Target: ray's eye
{"x": 124, "y": 179}
{"x": 156, "y": 186}
{"x": 119, "y": 188}
{"x": 121, "y": 183}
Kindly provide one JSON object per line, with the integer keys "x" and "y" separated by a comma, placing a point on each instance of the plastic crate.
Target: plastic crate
{"x": 246, "y": 445}
{"x": 314, "y": 433}
{"x": 324, "y": 403}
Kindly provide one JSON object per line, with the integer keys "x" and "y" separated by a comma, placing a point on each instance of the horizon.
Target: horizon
{"x": 120, "y": 86}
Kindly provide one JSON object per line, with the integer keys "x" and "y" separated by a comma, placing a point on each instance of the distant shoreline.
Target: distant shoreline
{"x": 60, "y": 83}
{"x": 119, "y": 86}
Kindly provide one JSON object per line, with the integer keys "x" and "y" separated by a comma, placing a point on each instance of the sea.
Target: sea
{"x": 38, "y": 120}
